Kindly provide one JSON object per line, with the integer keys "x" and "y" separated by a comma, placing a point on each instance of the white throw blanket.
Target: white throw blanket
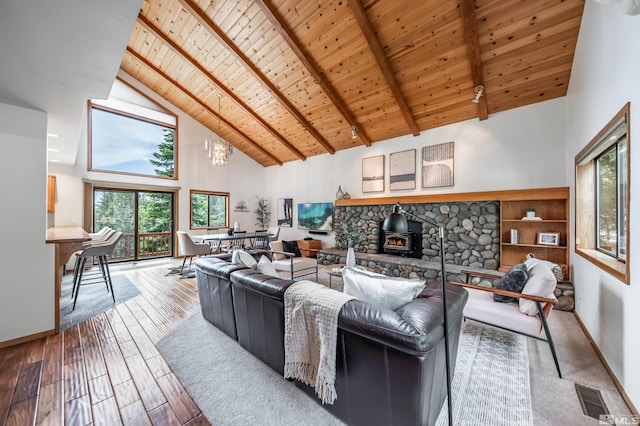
{"x": 310, "y": 336}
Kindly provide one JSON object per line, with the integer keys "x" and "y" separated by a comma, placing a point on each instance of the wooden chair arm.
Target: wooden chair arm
{"x": 506, "y": 293}
{"x": 480, "y": 274}
{"x": 284, "y": 253}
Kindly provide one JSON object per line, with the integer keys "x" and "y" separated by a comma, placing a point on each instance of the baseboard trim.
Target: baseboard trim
{"x": 28, "y": 338}
{"x": 624, "y": 395}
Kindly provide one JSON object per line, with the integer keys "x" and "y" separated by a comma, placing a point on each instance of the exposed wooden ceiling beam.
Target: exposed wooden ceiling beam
{"x": 206, "y": 107}
{"x": 294, "y": 44}
{"x": 370, "y": 35}
{"x": 473, "y": 48}
{"x": 204, "y": 20}
{"x": 158, "y": 33}
{"x": 197, "y": 100}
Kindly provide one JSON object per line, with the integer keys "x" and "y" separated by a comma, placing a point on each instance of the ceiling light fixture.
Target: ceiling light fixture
{"x": 354, "y": 132}
{"x": 218, "y": 149}
{"x": 479, "y": 92}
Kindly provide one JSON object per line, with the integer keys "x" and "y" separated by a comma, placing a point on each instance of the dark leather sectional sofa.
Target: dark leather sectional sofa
{"x": 390, "y": 367}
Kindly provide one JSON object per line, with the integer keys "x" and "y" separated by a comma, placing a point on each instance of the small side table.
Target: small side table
{"x": 330, "y": 269}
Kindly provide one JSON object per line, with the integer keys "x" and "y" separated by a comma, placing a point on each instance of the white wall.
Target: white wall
{"x": 26, "y": 261}
{"x": 515, "y": 149}
{"x": 604, "y": 77}
{"x": 243, "y": 178}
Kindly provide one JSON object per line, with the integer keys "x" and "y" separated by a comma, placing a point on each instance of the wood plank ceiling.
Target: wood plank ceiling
{"x": 296, "y": 75}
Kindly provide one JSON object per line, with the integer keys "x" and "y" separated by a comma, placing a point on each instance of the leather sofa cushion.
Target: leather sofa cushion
{"x": 217, "y": 267}
{"x": 270, "y": 286}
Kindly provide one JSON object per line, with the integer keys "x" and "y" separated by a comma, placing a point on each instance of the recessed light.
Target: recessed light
{"x": 52, "y": 135}
{"x": 53, "y": 149}
{"x": 53, "y": 161}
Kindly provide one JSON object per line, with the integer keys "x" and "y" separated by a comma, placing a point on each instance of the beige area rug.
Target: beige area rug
{"x": 231, "y": 387}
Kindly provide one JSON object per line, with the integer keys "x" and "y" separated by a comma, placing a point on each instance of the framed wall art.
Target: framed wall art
{"x": 549, "y": 238}
{"x": 437, "y": 165}
{"x": 402, "y": 170}
{"x": 373, "y": 174}
{"x": 285, "y": 212}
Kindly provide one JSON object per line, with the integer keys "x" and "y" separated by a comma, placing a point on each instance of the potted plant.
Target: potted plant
{"x": 351, "y": 235}
{"x": 263, "y": 214}
{"x": 531, "y": 212}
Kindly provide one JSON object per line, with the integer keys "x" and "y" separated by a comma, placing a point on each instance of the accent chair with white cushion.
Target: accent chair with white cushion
{"x": 527, "y": 316}
{"x": 292, "y": 263}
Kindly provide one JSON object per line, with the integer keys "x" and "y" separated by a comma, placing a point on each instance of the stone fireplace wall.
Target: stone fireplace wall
{"x": 472, "y": 230}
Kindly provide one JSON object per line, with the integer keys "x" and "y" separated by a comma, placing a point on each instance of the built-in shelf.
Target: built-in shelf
{"x": 553, "y": 206}
{"x": 534, "y": 221}
{"x": 536, "y": 246}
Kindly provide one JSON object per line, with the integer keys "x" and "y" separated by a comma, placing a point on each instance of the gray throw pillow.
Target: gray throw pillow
{"x": 291, "y": 247}
{"x": 514, "y": 280}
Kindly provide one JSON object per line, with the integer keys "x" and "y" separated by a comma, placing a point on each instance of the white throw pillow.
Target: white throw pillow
{"x": 555, "y": 268}
{"x": 266, "y": 267}
{"x": 241, "y": 257}
{"x": 541, "y": 283}
{"x": 378, "y": 289}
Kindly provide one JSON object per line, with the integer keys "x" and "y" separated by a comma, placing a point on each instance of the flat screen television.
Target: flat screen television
{"x": 315, "y": 216}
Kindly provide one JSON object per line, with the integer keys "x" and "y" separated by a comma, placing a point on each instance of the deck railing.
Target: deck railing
{"x": 153, "y": 244}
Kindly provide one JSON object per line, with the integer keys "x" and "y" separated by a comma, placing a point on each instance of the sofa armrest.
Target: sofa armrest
{"x": 506, "y": 292}
{"x": 413, "y": 328}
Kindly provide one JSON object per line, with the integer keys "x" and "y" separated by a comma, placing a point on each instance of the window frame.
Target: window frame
{"x": 209, "y": 193}
{"x": 93, "y": 105}
{"x": 586, "y": 210}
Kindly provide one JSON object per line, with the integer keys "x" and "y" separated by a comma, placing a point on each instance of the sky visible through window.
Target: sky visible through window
{"x": 124, "y": 144}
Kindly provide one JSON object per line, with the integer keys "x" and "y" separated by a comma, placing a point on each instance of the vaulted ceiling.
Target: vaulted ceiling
{"x": 297, "y": 75}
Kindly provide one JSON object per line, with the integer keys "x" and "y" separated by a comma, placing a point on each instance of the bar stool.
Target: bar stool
{"x": 100, "y": 250}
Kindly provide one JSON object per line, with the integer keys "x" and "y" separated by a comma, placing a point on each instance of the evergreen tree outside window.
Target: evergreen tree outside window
{"x": 209, "y": 209}
{"x": 603, "y": 194}
{"x": 123, "y": 142}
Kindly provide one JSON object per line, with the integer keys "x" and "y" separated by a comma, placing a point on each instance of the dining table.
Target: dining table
{"x": 224, "y": 236}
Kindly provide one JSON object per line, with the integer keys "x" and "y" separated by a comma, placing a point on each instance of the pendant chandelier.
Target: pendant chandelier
{"x": 218, "y": 149}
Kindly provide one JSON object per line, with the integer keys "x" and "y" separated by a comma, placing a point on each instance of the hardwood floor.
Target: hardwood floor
{"x": 107, "y": 370}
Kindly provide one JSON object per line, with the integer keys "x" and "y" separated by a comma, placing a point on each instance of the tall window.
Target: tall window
{"x": 209, "y": 209}
{"x": 611, "y": 199}
{"x": 129, "y": 133}
{"x": 602, "y": 198}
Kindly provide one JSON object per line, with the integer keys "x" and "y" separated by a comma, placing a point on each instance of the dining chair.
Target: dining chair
{"x": 260, "y": 240}
{"x": 189, "y": 248}
{"x": 217, "y": 245}
{"x": 273, "y": 232}
{"x": 237, "y": 243}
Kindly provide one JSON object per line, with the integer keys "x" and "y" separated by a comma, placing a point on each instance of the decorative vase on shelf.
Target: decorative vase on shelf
{"x": 346, "y": 196}
{"x": 351, "y": 257}
{"x": 339, "y": 194}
